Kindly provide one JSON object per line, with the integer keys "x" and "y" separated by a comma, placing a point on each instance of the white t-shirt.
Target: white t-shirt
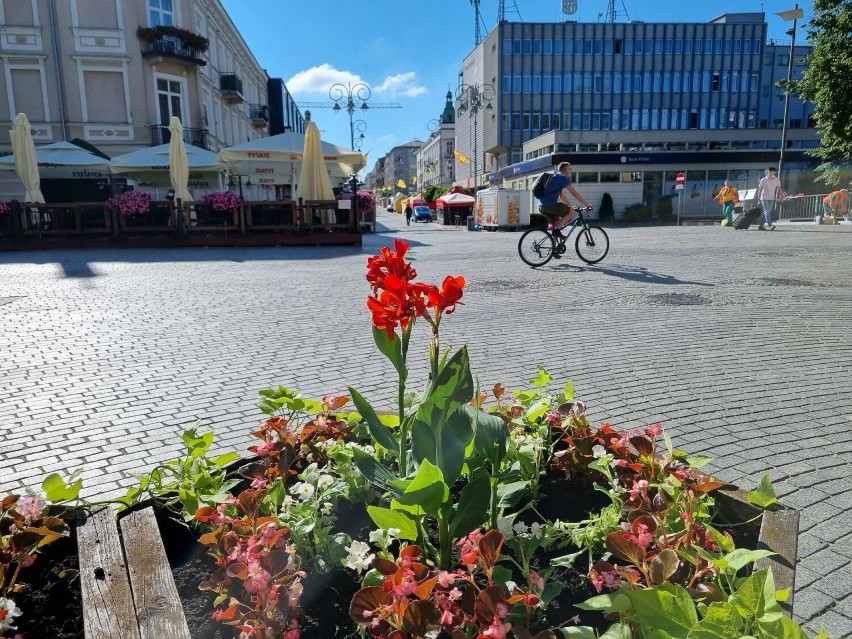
{"x": 769, "y": 188}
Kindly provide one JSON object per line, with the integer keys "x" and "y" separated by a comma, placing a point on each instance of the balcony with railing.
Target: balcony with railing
{"x": 173, "y": 43}
{"x": 231, "y": 86}
{"x": 259, "y": 114}
{"x": 195, "y": 137}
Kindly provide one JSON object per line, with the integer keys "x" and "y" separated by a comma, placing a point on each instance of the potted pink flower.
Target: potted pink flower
{"x": 130, "y": 203}
{"x": 4, "y": 208}
{"x": 222, "y": 200}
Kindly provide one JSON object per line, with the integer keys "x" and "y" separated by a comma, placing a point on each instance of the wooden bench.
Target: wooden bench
{"x": 127, "y": 584}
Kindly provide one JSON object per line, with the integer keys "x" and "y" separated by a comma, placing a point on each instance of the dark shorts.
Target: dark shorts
{"x": 554, "y": 212}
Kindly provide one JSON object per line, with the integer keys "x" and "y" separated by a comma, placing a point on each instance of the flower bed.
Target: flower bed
{"x": 462, "y": 514}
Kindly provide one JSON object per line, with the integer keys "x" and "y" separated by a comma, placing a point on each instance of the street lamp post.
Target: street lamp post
{"x": 350, "y": 94}
{"x": 793, "y": 14}
{"x": 358, "y": 140}
{"x": 473, "y": 98}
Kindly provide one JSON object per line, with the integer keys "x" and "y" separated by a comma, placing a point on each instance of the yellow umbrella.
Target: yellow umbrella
{"x": 26, "y": 165}
{"x": 314, "y": 183}
{"x": 178, "y": 162}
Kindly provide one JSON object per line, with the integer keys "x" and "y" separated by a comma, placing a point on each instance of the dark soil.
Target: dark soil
{"x": 52, "y": 601}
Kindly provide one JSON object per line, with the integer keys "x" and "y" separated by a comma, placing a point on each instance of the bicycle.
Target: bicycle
{"x": 538, "y": 246}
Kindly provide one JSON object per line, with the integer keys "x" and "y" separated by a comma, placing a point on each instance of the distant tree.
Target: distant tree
{"x": 606, "y": 210}
{"x": 825, "y": 82}
{"x": 432, "y": 193}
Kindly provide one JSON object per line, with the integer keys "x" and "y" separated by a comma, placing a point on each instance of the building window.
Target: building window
{"x": 516, "y": 47}
{"x": 546, "y": 86}
{"x": 545, "y": 121}
{"x": 507, "y": 47}
{"x": 607, "y": 47}
{"x": 796, "y": 124}
{"x": 556, "y": 121}
{"x": 161, "y": 13}
{"x": 516, "y": 84}
{"x": 736, "y": 44}
{"x": 610, "y": 176}
{"x": 587, "y": 47}
{"x": 687, "y": 46}
{"x": 699, "y": 46}
{"x": 557, "y": 84}
{"x": 717, "y": 46}
{"x": 566, "y": 47}
{"x": 619, "y": 46}
{"x": 637, "y": 46}
{"x": 548, "y": 47}
{"x": 537, "y": 47}
{"x": 754, "y": 82}
{"x": 527, "y": 46}
{"x": 598, "y": 88}
{"x": 658, "y": 46}
{"x": 755, "y": 46}
{"x": 506, "y": 121}
{"x": 527, "y": 84}
{"x": 169, "y": 100}
{"x": 557, "y": 47}
{"x": 507, "y": 84}
{"x": 678, "y": 46}
{"x": 628, "y": 47}
{"x": 746, "y": 46}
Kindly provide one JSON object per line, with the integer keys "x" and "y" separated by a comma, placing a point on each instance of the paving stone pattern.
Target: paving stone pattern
{"x": 738, "y": 341}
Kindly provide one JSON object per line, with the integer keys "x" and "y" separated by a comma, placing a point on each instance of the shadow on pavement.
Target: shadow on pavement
{"x": 633, "y": 273}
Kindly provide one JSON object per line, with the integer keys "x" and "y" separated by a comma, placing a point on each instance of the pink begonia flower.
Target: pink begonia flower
{"x": 31, "y": 506}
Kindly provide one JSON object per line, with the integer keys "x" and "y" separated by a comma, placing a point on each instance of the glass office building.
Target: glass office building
{"x": 661, "y": 97}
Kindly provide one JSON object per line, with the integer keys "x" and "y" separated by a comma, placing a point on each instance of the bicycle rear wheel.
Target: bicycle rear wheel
{"x": 592, "y": 244}
{"x": 536, "y": 247}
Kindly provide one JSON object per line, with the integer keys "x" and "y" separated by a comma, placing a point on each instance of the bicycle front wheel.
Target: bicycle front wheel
{"x": 536, "y": 247}
{"x": 592, "y": 244}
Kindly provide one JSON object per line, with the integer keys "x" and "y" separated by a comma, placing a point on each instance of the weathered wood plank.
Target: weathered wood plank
{"x": 779, "y": 533}
{"x": 158, "y": 608}
{"x": 108, "y": 610}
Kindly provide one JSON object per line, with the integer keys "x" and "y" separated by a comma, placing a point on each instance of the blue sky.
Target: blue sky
{"x": 410, "y": 53}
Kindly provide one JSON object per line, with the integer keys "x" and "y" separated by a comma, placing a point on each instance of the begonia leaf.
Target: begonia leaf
{"x": 486, "y": 603}
{"x": 490, "y": 545}
{"x": 668, "y": 608}
{"x": 624, "y": 548}
{"x": 366, "y": 601}
{"x": 663, "y": 566}
{"x": 421, "y": 618}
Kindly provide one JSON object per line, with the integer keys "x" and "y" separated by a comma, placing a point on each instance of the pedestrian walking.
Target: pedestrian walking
{"x": 408, "y": 214}
{"x": 834, "y": 204}
{"x": 768, "y": 192}
{"x": 728, "y": 196}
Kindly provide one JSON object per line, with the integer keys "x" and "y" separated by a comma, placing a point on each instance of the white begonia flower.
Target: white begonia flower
{"x": 537, "y": 530}
{"x": 303, "y": 490}
{"x": 598, "y": 451}
{"x": 393, "y": 532}
{"x": 504, "y": 525}
{"x": 326, "y": 507}
{"x": 12, "y": 611}
{"x": 324, "y": 481}
{"x": 360, "y": 558}
{"x": 521, "y": 528}
{"x": 377, "y": 536}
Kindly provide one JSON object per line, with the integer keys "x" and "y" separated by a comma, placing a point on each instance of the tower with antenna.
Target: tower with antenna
{"x": 612, "y": 14}
{"x": 477, "y": 37}
{"x": 502, "y": 10}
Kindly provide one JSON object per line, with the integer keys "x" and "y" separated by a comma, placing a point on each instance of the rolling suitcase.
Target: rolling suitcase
{"x": 747, "y": 218}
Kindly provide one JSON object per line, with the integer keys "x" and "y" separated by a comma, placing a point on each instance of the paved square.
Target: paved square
{"x": 738, "y": 341}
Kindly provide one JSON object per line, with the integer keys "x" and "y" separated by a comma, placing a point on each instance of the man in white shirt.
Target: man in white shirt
{"x": 768, "y": 191}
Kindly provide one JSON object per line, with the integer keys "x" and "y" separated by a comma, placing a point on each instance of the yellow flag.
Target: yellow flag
{"x": 461, "y": 157}
{"x": 364, "y": 158}
{"x": 401, "y": 183}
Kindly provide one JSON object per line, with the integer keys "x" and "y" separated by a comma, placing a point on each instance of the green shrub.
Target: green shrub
{"x": 636, "y": 213}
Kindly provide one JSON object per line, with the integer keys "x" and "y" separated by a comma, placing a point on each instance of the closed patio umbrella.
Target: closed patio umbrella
{"x": 314, "y": 183}
{"x": 178, "y": 162}
{"x": 26, "y": 165}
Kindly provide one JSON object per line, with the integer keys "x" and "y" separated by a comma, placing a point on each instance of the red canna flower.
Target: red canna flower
{"x": 379, "y": 267}
{"x": 446, "y": 298}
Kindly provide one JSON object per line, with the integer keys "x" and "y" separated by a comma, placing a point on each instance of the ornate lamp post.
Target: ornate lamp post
{"x": 358, "y": 141}
{"x": 350, "y": 94}
{"x": 474, "y": 98}
{"x": 793, "y": 14}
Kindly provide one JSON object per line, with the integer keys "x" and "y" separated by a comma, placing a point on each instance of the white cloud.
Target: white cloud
{"x": 401, "y": 84}
{"x": 320, "y": 79}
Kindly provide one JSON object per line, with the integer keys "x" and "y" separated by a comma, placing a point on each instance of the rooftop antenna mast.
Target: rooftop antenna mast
{"x": 477, "y": 37}
{"x": 501, "y": 11}
{"x": 612, "y": 13}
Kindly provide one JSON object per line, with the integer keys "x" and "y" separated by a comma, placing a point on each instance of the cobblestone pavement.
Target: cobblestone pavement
{"x": 738, "y": 341}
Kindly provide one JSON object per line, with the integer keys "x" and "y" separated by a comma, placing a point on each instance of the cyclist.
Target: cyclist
{"x": 555, "y": 205}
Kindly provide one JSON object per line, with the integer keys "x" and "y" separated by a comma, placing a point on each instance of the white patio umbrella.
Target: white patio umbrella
{"x": 151, "y": 164}
{"x": 314, "y": 183}
{"x": 26, "y": 165}
{"x": 278, "y": 158}
{"x": 178, "y": 162}
{"x": 64, "y": 160}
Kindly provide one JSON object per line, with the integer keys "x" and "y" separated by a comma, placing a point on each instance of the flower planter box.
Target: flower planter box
{"x": 129, "y": 590}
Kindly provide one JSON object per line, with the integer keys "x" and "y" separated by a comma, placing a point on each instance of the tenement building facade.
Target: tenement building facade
{"x": 111, "y": 73}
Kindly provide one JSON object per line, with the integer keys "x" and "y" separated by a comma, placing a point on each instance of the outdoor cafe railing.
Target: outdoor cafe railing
{"x": 94, "y": 218}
